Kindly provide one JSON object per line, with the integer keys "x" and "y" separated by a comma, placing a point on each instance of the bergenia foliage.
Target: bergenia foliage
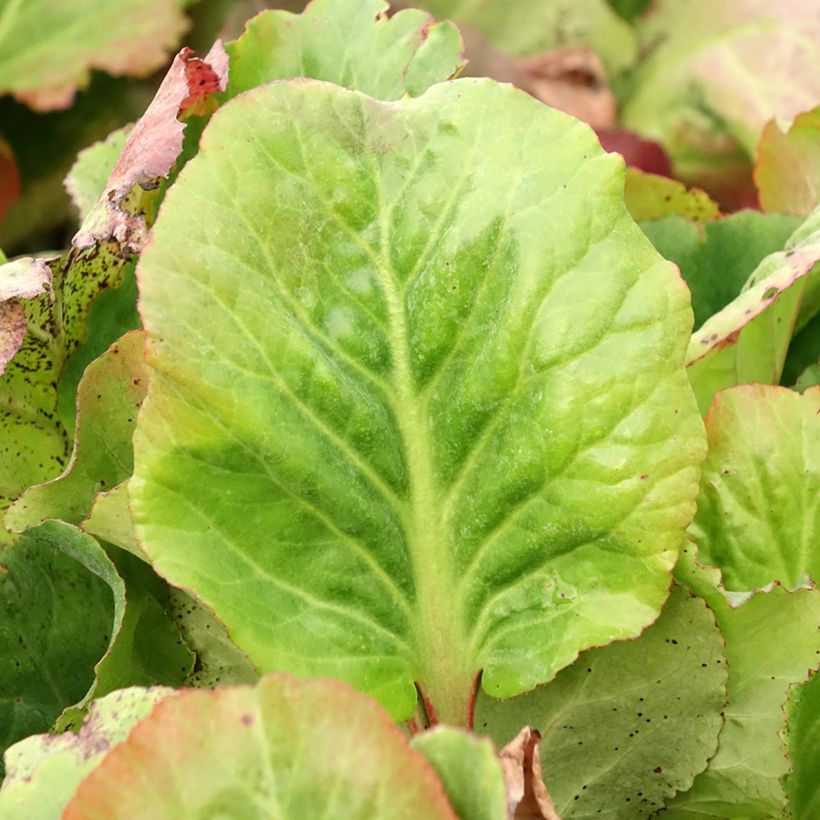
{"x": 406, "y": 398}
{"x": 417, "y": 406}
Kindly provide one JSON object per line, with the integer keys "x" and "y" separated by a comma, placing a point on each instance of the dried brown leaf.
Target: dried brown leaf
{"x": 527, "y": 796}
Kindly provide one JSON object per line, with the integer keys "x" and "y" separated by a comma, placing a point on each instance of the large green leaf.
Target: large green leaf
{"x": 418, "y": 407}
{"x": 55, "y": 624}
{"x": 748, "y": 340}
{"x": 348, "y": 42}
{"x": 771, "y": 643}
{"x": 47, "y": 49}
{"x": 469, "y": 770}
{"x": 803, "y": 783}
{"x": 526, "y": 27}
{"x": 758, "y": 518}
{"x": 43, "y": 771}
{"x": 731, "y": 66}
{"x": 283, "y": 749}
{"x": 627, "y": 726}
{"x": 717, "y": 258}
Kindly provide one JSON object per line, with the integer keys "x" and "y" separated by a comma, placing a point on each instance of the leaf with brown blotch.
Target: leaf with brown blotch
{"x": 42, "y": 333}
{"x": 527, "y": 796}
{"x": 22, "y": 279}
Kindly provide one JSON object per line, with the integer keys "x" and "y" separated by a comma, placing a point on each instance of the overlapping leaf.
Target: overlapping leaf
{"x": 469, "y": 770}
{"x": 47, "y": 50}
{"x": 626, "y": 726}
{"x": 758, "y": 515}
{"x": 748, "y": 340}
{"x": 33, "y": 440}
{"x": 771, "y": 644}
{"x": 649, "y": 197}
{"x": 110, "y": 394}
{"x": 523, "y": 27}
{"x": 450, "y": 375}
{"x": 55, "y": 624}
{"x": 803, "y": 782}
{"x": 717, "y": 258}
{"x": 348, "y": 42}
{"x": 43, "y": 771}
{"x": 787, "y": 172}
{"x": 284, "y": 748}
{"x": 732, "y": 66}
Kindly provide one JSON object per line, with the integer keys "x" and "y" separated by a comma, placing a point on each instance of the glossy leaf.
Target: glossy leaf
{"x": 348, "y": 42}
{"x": 110, "y": 395}
{"x": 55, "y": 624}
{"x": 47, "y": 50}
{"x": 282, "y": 749}
{"x": 469, "y": 770}
{"x": 747, "y": 341}
{"x": 803, "y": 782}
{"x": 524, "y": 28}
{"x": 771, "y": 643}
{"x": 787, "y": 172}
{"x": 758, "y": 517}
{"x": 717, "y": 258}
{"x": 43, "y": 771}
{"x": 715, "y": 67}
{"x": 627, "y": 726}
{"x": 468, "y": 453}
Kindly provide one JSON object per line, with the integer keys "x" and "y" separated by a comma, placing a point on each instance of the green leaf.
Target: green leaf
{"x": 110, "y": 521}
{"x": 110, "y": 394}
{"x": 711, "y": 68}
{"x": 89, "y": 174}
{"x": 747, "y": 341}
{"x": 55, "y": 623}
{"x": 809, "y": 377}
{"x": 282, "y": 749}
{"x": 523, "y": 27}
{"x": 627, "y": 726}
{"x": 143, "y": 647}
{"x": 771, "y": 643}
{"x": 33, "y": 439}
{"x": 649, "y": 196}
{"x": 113, "y": 313}
{"x": 348, "y": 42}
{"x": 469, "y": 770}
{"x": 803, "y": 783}
{"x": 804, "y": 351}
{"x": 787, "y": 172}
{"x": 462, "y": 399}
{"x": 218, "y": 660}
{"x": 717, "y": 258}
{"x": 43, "y": 771}
{"x": 758, "y": 517}
{"x": 47, "y": 51}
